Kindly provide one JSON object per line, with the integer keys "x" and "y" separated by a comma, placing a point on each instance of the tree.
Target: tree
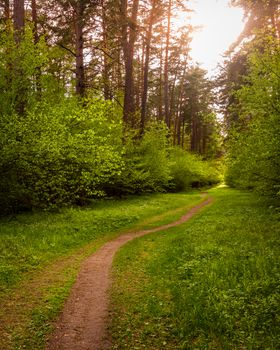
{"x": 148, "y": 39}
{"x": 129, "y": 35}
{"x": 254, "y": 150}
{"x": 18, "y": 18}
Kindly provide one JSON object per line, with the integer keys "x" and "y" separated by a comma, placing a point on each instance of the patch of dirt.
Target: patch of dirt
{"x": 85, "y": 317}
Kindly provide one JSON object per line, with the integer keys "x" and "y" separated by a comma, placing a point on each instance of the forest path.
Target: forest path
{"x": 83, "y": 324}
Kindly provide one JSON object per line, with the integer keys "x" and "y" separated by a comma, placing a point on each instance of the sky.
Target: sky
{"x": 221, "y": 26}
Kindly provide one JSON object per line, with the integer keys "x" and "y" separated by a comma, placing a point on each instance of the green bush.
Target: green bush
{"x": 188, "y": 170}
{"x": 146, "y": 163}
{"x": 58, "y": 155}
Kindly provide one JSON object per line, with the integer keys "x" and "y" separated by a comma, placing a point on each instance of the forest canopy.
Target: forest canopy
{"x": 101, "y": 98}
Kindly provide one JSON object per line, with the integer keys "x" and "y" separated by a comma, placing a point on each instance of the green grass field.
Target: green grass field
{"x": 40, "y": 254}
{"x": 29, "y": 241}
{"x": 211, "y": 283}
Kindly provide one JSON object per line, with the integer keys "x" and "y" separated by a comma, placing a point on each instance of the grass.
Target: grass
{"x": 40, "y": 254}
{"x": 211, "y": 283}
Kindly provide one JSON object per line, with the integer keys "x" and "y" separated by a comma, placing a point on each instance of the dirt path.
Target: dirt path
{"x": 83, "y": 322}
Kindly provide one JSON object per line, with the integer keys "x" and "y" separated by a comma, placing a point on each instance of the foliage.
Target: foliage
{"x": 151, "y": 164}
{"x": 188, "y": 170}
{"x": 212, "y": 283}
{"x": 27, "y": 72}
{"x": 146, "y": 164}
{"x": 254, "y": 149}
{"x": 58, "y": 155}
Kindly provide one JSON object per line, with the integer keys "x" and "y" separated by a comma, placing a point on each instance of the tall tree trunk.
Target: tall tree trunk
{"x": 20, "y": 102}
{"x": 166, "y": 67}
{"x": 193, "y": 135}
{"x": 105, "y": 72}
{"x": 160, "y": 109}
{"x": 138, "y": 81}
{"x": 79, "y": 43}
{"x": 183, "y": 134}
{"x": 146, "y": 68}
{"x": 172, "y": 98}
{"x": 18, "y": 19}
{"x": 7, "y": 14}
{"x": 129, "y": 91}
{"x": 35, "y": 21}
{"x": 36, "y": 40}
{"x": 180, "y": 104}
{"x": 204, "y": 139}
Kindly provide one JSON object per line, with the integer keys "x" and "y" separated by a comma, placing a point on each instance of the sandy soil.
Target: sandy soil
{"x": 83, "y": 323}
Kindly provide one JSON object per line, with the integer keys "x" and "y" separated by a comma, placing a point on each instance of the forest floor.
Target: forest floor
{"x": 84, "y": 322}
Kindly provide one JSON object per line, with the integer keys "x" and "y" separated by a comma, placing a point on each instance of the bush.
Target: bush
{"x": 188, "y": 170}
{"x": 146, "y": 164}
{"x": 58, "y": 155}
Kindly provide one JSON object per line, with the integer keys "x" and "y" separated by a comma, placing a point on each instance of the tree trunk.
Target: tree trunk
{"x": 166, "y": 67}
{"x": 79, "y": 43}
{"x": 146, "y": 69}
{"x": 180, "y": 104}
{"x": 160, "y": 109}
{"x": 20, "y": 102}
{"x": 7, "y": 14}
{"x": 129, "y": 91}
{"x": 194, "y": 133}
{"x": 18, "y": 19}
{"x": 105, "y": 72}
{"x": 36, "y": 40}
{"x": 35, "y": 21}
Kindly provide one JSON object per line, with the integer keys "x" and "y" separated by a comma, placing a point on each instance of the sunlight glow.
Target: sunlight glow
{"x": 221, "y": 26}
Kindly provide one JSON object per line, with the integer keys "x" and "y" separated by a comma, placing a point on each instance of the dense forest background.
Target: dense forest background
{"x": 101, "y": 98}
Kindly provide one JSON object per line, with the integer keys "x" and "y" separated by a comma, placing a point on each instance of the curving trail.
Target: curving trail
{"x": 85, "y": 317}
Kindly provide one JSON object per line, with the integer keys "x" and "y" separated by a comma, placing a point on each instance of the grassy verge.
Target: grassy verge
{"x": 41, "y": 254}
{"x": 211, "y": 283}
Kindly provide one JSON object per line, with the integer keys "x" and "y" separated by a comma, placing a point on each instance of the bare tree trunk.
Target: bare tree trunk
{"x": 172, "y": 98}
{"x": 79, "y": 43}
{"x": 146, "y": 69}
{"x": 36, "y": 40}
{"x": 183, "y": 134}
{"x": 129, "y": 92}
{"x": 194, "y": 133}
{"x": 160, "y": 111}
{"x": 18, "y": 19}
{"x": 204, "y": 139}
{"x": 179, "y": 108}
{"x": 166, "y": 67}
{"x": 35, "y": 20}
{"x": 105, "y": 72}
{"x": 20, "y": 103}
{"x": 7, "y": 14}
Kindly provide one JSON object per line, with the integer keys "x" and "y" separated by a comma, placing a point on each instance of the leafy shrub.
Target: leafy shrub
{"x": 58, "y": 155}
{"x": 146, "y": 162}
{"x": 188, "y": 170}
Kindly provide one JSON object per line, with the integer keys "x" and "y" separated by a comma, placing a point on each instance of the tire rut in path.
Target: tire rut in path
{"x": 84, "y": 320}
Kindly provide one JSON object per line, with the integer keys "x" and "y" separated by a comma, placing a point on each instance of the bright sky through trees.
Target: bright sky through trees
{"x": 221, "y": 25}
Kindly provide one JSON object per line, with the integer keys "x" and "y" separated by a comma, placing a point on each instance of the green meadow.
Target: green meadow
{"x": 41, "y": 253}
{"x": 211, "y": 283}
